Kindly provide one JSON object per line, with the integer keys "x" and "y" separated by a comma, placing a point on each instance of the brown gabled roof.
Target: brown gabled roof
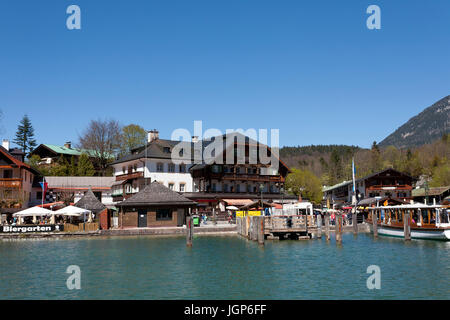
{"x": 89, "y": 201}
{"x": 156, "y": 194}
{"x": 382, "y": 171}
{"x": 17, "y": 162}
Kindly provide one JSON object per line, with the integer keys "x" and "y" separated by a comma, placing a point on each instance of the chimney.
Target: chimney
{"x": 5, "y": 144}
{"x": 195, "y": 139}
{"x": 152, "y": 135}
{"x": 68, "y": 144}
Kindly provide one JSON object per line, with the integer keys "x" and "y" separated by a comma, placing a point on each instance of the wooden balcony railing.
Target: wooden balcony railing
{"x": 129, "y": 176}
{"x": 392, "y": 187}
{"x": 11, "y": 183}
{"x": 244, "y": 177}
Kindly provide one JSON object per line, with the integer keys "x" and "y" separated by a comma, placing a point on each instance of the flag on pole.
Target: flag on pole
{"x": 44, "y": 186}
{"x": 353, "y": 175}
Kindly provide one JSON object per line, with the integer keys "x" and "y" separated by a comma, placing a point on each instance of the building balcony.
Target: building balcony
{"x": 133, "y": 175}
{"x": 391, "y": 187}
{"x": 246, "y": 177}
{"x": 11, "y": 183}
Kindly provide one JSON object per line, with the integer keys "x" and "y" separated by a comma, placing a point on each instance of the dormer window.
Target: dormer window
{"x": 166, "y": 150}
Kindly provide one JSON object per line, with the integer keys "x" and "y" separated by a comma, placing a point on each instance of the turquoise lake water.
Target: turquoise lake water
{"x": 224, "y": 267}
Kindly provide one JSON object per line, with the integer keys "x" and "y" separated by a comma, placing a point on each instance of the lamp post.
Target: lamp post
{"x": 261, "y": 189}
{"x": 282, "y": 199}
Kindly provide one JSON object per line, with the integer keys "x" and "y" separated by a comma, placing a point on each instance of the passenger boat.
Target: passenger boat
{"x": 428, "y": 222}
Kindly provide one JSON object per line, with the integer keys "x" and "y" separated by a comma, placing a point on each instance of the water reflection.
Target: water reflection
{"x": 224, "y": 267}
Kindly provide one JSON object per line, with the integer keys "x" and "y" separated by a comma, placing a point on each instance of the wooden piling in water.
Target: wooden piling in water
{"x": 355, "y": 222}
{"x": 407, "y": 226}
{"x": 261, "y": 222}
{"x": 375, "y": 223}
{"x": 338, "y": 228}
{"x": 189, "y": 231}
{"x": 253, "y": 229}
{"x": 319, "y": 226}
{"x": 327, "y": 226}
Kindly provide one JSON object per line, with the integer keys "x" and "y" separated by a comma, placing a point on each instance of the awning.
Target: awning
{"x": 256, "y": 204}
{"x": 118, "y": 183}
{"x": 50, "y": 205}
{"x": 238, "y": 202}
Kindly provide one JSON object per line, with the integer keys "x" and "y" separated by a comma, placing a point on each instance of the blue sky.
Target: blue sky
{"x": 309, "y": 68}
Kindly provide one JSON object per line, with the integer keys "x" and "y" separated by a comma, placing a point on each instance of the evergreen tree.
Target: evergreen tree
{"x": 72, "y": 167}
{"x": 61, "y": 168}
{"x": 25, "y": 135}
{"x": 335, "y": 168}
{"x": 85, "y": 166}
{"x": 376, "y": 162}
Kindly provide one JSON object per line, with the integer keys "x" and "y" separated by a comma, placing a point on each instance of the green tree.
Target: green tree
{"x": 60, "y": 168}
{"x": 376, "y": 162}
{"x": 441, "y": 176}
{"x": 85, "y": 166}
{"x": 72, "y": 168}
{"x": 304, "y": 182}
{"x": 132, "y": 136}
{"x": 34, "y": 160}
{"x": 335, "y": 168}
{"x": 25, "y": 135}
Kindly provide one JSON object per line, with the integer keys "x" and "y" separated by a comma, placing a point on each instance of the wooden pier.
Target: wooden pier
{"x": 277, "y": 227}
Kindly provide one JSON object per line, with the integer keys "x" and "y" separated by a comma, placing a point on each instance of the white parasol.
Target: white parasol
{"x": 33, "y": 212}
{"x": 71, "y": 211}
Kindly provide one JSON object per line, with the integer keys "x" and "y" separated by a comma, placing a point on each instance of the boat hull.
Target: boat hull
{"x": 416, "y": 233}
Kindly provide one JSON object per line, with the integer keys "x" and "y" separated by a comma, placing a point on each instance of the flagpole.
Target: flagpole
{"x": 354, "y": 215}
{"x": 43, "y": 188}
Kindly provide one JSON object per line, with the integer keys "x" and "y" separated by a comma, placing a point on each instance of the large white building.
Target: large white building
{"x": 149, "y": 163}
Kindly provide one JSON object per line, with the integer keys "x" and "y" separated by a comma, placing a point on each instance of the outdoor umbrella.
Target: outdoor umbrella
{"x": 232, "y": 208}
{"x": 71, "y": 211}
{"x": 32, "y": 212}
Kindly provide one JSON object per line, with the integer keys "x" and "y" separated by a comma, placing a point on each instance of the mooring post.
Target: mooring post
{"x": 407, "y": 225}
{"x": 261, "y": 224}
{"x": 306, "y": 222}
{"x": 319, "y": 226}
{"x": 327, "y": 226}
{"x": 355, "y": 222}
{"x": 338, "y": 228}
{"x": 238, "y": 225}
{"x": 375, "y": 223}
{"x": 249, "y": 228}
{"x": 189, "y": 231}
{"x": 254, "y": 228}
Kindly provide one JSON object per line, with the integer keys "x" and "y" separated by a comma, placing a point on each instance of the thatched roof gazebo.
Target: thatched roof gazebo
{"x": 90, "y": 202}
